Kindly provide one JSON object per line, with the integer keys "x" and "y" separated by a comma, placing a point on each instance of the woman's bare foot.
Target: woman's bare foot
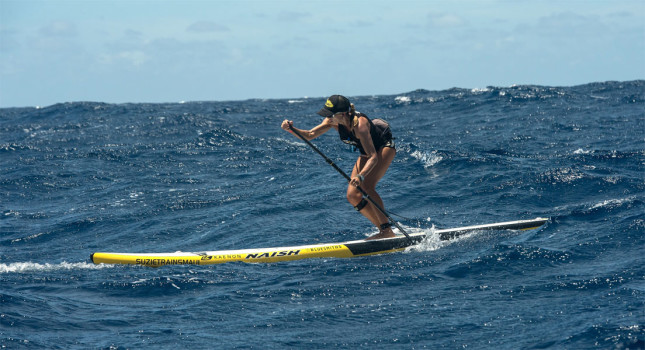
{"x": 387, "y": 233}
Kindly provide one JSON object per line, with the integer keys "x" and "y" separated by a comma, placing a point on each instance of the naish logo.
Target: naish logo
{"x": 272, "y": 255}
{"x": 329, "y": 104}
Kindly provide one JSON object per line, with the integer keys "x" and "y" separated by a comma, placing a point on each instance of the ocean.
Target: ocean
{"x": 82, "y": 177}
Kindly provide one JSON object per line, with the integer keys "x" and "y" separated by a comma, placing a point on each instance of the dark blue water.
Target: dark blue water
{"x": 76, "y": 178}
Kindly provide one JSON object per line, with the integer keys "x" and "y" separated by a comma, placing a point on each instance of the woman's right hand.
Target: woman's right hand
{"x": 287, "y": 125}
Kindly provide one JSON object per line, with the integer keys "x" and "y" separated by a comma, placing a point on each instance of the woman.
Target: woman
{"x": 373, "y": 139}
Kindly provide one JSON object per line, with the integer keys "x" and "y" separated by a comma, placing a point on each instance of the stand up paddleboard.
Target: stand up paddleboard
{"x": 327, "y": 250}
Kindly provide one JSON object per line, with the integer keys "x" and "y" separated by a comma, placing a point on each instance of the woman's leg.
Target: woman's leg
{"x": 354, "y": 196}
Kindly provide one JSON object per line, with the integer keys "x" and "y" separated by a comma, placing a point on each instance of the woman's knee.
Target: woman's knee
{"x": 354, "y": 196}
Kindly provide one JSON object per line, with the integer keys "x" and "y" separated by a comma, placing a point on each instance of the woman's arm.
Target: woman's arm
{"x": 308, "y": 134}
{"x": 363, "y": 134}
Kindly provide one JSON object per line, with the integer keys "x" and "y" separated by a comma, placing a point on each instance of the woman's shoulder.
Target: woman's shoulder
{"x": 363, "y": 118}
{"x": 363, "y": 123}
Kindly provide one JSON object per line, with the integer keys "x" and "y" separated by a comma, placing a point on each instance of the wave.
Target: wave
{"x": 223, "y": 175}
{"x": 428, "y": 159}
{"x": 432, "y": 242}
{"x": 610, "y": 336}
{"x": 593, "y": 207}
{"x": 614, "y": 203}
{"x": 27, "y": 267}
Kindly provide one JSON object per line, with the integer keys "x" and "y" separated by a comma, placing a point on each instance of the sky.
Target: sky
{"x": 196, "y": 50}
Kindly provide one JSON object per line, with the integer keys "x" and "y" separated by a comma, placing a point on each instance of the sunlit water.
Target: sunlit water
{"x": 83, "y": 177}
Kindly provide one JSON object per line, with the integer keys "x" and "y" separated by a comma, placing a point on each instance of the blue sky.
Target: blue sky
{"x": 171, "y": 51}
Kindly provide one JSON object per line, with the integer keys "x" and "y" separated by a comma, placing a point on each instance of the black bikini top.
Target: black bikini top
{"x": 379, "y": 131}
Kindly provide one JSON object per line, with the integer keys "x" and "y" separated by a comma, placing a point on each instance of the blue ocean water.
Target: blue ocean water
{"x": 76, "y": 178}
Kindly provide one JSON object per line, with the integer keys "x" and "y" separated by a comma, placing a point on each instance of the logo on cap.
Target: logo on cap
{"x": 329, "y": 104}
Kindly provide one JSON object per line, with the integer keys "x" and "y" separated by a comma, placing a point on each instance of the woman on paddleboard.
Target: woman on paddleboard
{"x": 373, "y": 139}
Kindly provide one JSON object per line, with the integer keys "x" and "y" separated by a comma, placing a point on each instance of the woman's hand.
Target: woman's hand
{"x": 287, "y": 125}
{"x": 357, "y": 180}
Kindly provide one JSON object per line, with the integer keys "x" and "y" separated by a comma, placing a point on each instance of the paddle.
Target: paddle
{"x": 365, "y": 195}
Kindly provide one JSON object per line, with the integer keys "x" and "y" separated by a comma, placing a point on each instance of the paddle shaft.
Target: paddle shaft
{"x": 365, "y": 195}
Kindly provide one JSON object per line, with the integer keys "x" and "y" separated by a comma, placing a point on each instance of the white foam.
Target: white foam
{"x": 428, "y": 159}
{"x": 431, "y": 242}
{"x": 28, "y": 237}
{"x": 479, "y": 90}
{"x": 292, "y": 142}
{"x": 581, "y": 151}
{"x": 26, "y": 267}
{"x": 402, "y": 99}
{"x": 612, "y": 202}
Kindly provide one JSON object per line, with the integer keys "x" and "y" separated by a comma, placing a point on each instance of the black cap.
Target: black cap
{"x": 334, "y": 104}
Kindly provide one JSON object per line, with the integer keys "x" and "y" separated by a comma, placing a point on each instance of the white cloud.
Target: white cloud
{"x": 207, "y": 27}
{"x": 133, "y": 58}
{"x": 290, "y": 16}
{"x": 279, "y": 49}
{"x": 442, "y": 20}
{"x": 59, "y": 29}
